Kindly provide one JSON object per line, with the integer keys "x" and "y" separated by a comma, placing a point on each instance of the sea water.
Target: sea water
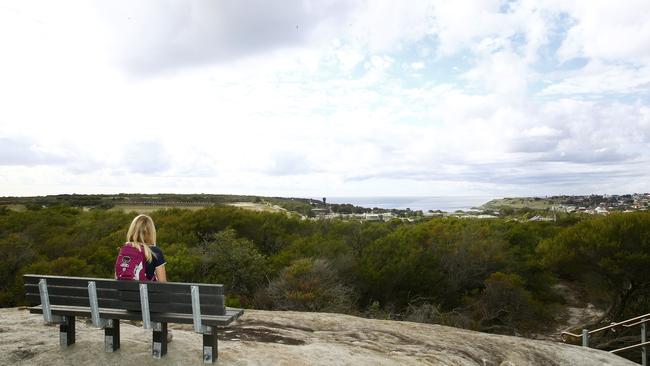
{"x": 442, "y": 203}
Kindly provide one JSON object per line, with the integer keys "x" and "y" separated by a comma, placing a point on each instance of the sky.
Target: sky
{"x": 325, "y": 98}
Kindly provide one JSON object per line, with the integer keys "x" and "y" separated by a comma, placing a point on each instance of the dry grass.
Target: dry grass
{"x": 259, "y": 207}
{"x": 146, "y": 209}
{"x": 263, "y": 207}
{"x": 18, "y": 208}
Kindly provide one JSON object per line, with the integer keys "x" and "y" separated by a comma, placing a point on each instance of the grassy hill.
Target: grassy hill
{"x": 152, "y": 202}
{"x": 535, "y": 203}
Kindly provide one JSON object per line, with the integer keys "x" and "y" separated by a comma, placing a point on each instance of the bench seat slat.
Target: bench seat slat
{"x": 102, "y": 283}
{"x": 156, "y": 307}
{"x": 213, "y": 320}
{"x": 154, "y": 297}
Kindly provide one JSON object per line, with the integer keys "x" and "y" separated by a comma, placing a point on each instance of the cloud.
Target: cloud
{"x": 417, "y": 66}
{"x": 384, "y": 26}
{"x": 551, "y": 144}
{"x": 493, "y": 25}
{"x": 288, "y": 163}
{"x": 610, "y": 31}
{"x": 542, "y": 178}
{"x": 146, "y": 157}
{"x": 501, "y": 72}
{"x": 23, "y": 151}
{"x": 151, "y": 37}
{"x": 533, "y": 144}
{"x": 29, "y": 152}
{"x": 370, "y": 97}
{"x": 598, "y": 78}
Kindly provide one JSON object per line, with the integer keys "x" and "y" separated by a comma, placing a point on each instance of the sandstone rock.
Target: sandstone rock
{"x": 291, "y": 338}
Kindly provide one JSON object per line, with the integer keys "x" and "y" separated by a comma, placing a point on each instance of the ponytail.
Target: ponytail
{"x": 142, "y": 234}
{"x": 148, "y": 254}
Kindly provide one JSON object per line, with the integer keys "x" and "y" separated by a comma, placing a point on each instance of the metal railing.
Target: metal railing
{"x": 639, "y": 320}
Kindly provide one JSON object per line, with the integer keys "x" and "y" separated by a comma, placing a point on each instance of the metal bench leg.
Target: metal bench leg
{"x": 159, "y": 347}
{"x": 112, "y": 335}
{"x": 210, "y": 347}
{"x": 67, "y": 331}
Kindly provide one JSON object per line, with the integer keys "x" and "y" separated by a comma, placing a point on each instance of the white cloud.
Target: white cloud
{"x": 365, "y": 99}
{"x": 383, "y": 26}
{"x": 607, "y": 30}
{"x": 501, "y": 72}
{"x": 349, "y": 58}
{"x": 599, "y": 78}
{"x": 181, "y": 34}
{"x": 417, "y": 66}
{"x": 145, "y": 157}
{"x": 22, "y": 151}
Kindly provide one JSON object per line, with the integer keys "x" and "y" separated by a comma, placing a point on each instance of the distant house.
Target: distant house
{"x": 373, "y": 217}
{"x": 486, "y": 216}
{"x": 601, "y": 211}
{"x": 319, "y": 212}
{"x": 567, "y": 208}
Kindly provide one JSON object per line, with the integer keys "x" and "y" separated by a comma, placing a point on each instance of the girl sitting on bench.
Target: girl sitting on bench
{"x": 141, "y": 253}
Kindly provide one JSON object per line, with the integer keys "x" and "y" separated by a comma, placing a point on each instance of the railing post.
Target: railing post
{"x": 585, "y": 338}
{"x": 644, "y": 351}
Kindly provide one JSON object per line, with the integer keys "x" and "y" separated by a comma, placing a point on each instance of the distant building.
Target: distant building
{"x": 319, "y": 212}
{"x": 373, "y": 217}
{"x": 486, "y": 217}
{"x": 601, "y": 211}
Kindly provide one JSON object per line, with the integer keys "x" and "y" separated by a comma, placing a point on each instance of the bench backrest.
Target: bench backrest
{"x": 167, "y": 297}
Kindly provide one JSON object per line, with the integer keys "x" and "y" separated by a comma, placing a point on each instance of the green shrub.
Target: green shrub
{"x": 310, "y": 285}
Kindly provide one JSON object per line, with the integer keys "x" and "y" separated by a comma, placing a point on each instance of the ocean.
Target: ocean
{"x": 443, "y": 203}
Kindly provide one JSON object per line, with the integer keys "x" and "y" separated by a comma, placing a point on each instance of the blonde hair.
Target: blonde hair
{"x": 141, "y": 234}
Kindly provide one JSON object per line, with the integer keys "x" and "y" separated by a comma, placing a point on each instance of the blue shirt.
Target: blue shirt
{"x": 157, "y": 260}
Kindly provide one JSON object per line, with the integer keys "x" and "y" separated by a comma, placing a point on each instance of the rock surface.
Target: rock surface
{"x": 290, "y": 338}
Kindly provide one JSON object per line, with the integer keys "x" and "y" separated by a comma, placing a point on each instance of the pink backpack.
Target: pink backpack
{"x": 130, "y": 264}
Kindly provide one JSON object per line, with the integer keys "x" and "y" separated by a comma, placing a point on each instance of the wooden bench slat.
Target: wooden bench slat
{"x": 103, "y": 283}
{"x": 126, "y": 295}
{"x": 213, "y": 320}
{"x": 31, "y": 289}
{"x": 208, "y": 309}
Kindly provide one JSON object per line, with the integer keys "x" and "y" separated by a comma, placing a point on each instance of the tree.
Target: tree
{"x": 505, "y": 305}
{"x": 310, "y": 285}
{"x": 232, "y": 261}
{"x": 15, "y": 253}
{"x": 399, "y": 266}
{"x": 615, "y": 249}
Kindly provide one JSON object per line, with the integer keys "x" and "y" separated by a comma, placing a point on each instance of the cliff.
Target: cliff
{"x": 291, "y": 338}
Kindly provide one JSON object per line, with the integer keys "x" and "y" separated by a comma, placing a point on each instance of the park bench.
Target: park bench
{"x": 107, "y": 301}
